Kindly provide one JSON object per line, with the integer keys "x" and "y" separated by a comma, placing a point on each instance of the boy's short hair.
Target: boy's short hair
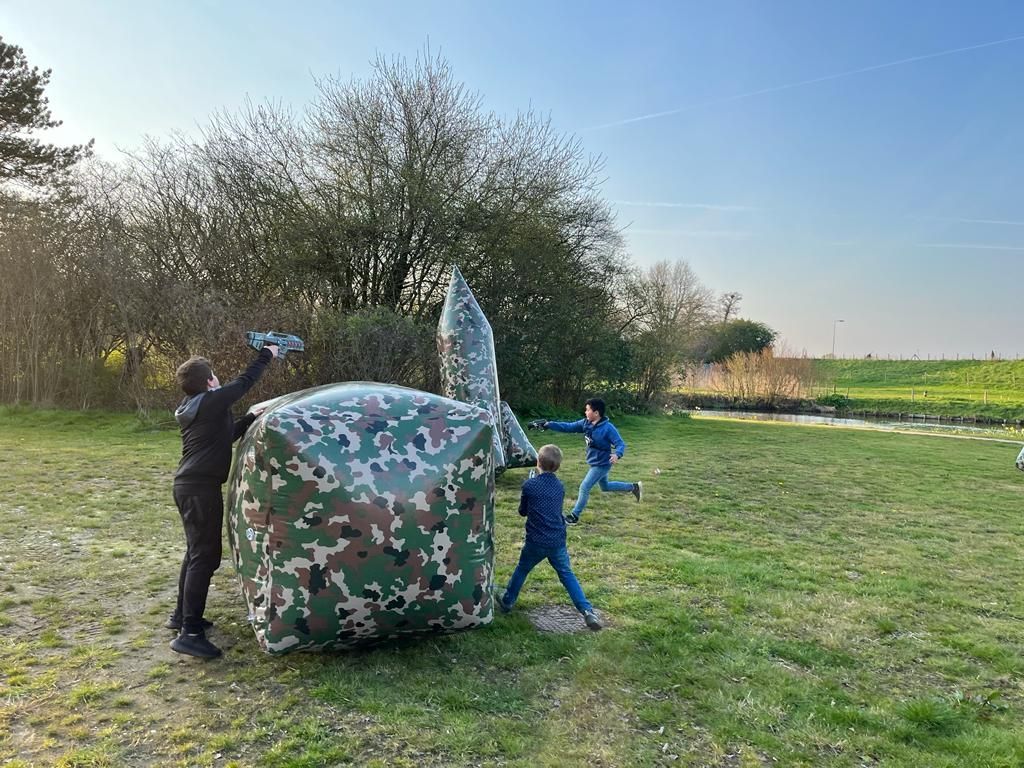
{"x": 596, "y": 404}
{"x": 194, "y": 375}
{"x": 549, "y": 458}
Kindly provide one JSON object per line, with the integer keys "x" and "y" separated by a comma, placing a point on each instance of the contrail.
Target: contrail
{"x": 726, "y": 234}
{"x": 971, "y": 221}
{"x": 789, "y": 86}
{"x": 972, "y": 246}
{"x": 698, "y": 206}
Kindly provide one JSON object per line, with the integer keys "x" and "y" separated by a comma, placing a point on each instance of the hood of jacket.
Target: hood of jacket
{"x": 187, "y": 410}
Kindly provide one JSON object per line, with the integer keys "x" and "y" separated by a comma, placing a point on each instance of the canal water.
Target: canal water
{"x": 987, "y": 431}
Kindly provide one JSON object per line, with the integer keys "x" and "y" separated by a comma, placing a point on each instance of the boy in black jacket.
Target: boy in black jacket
{"x": 207, "y": 431}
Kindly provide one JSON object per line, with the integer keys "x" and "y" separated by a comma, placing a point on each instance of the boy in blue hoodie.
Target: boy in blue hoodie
{"x": 207, "y": 431}
{"x": 604, "y": 449}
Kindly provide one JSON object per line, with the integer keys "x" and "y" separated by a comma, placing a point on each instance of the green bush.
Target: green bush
{"x": 375, "y": 344}
{"x": 834, "y": 400}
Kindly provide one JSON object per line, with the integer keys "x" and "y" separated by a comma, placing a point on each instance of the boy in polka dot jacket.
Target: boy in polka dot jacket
{"x": 541, "y": 505}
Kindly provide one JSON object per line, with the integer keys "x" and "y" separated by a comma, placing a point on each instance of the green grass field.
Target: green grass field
{"x": 972, "y": 388}
{"x": 784, "y": 595}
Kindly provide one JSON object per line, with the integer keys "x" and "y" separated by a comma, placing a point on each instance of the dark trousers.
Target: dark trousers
{"x": 202, "y": 514}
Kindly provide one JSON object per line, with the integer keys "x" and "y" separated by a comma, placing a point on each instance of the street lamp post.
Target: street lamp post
{"x": 834, "y": 323}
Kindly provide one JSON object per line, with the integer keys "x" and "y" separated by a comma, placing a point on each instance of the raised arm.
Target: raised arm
{"x": 234, "y": 390}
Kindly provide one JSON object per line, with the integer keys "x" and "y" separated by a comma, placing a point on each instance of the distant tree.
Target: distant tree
{"x": 727, "y": 339}
{"x": 24, "y": 109}
{"x": 729, "y": 303}
{"x": 672, "y": 308}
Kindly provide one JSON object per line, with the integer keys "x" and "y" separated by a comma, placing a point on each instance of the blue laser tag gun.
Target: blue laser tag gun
{"x": 285, "y": 342}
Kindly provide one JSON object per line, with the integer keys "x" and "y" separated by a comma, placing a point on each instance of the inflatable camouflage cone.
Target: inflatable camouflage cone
{"x": 519, "y": 451}
{"x": 360, "y": 512}
{"x": 469, "y": 371}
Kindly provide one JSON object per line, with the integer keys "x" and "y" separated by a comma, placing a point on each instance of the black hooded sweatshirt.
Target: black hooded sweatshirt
{"x": 208, "y": 429}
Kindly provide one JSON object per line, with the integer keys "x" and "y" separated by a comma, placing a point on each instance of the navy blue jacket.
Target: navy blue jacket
{"x": 602, "y": 438}
{"x": 541, "y": 505}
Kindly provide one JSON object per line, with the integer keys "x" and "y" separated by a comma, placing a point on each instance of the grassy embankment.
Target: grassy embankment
{"x": 784, "y": 596}
{"x": 967, "y": 388}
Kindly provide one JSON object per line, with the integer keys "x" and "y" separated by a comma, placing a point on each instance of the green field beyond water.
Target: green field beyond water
{"x": 785, "y": 595}
{"x": 971, "y": 388}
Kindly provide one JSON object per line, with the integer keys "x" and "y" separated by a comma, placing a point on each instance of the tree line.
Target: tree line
{"x": 339, "y": 223}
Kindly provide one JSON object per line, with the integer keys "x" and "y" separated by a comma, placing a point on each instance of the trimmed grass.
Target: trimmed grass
{"x": 971, "y": 388}
{"x": 785, "y": 595}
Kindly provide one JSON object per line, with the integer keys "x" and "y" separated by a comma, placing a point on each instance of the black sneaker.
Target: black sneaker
{"x": 195, "y": 645}
{"x": 174, "y": 622}
{"x": 505, "y": 607}
{"x": 638, "y": 491}
{"x": 592, "y": 622}
{"x": 572, "y": 519}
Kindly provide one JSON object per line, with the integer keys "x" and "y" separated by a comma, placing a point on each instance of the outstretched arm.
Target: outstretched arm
{"x": 566, "y": 426}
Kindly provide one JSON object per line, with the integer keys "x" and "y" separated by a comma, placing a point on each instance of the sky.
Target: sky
{"x": 854, "y": 170}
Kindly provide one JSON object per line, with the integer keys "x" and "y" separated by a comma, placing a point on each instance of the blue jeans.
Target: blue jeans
{"x": 559, "y": 559}
{"x": 597, "y": 476}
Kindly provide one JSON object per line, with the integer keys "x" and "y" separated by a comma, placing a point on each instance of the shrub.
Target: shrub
{"x": 834, "y": 400}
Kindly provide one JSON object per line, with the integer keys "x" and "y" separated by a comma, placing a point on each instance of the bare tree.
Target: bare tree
{"x": 729, "y": 304}
{"x": 673, "y": 308}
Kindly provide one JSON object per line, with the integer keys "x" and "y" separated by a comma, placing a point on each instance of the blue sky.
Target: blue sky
{"x": 857, "y": 161}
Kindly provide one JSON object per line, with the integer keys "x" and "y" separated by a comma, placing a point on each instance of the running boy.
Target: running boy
{"x": 541, "y": 505}
{"x": 604, "y": 448}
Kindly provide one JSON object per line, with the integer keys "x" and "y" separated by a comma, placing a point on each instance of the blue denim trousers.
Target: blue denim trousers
{"x": 597, "y": 476}
{"x": 559, "y": 559}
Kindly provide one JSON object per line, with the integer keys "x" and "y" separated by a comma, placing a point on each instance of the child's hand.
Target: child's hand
{"x": 615, "y": 458}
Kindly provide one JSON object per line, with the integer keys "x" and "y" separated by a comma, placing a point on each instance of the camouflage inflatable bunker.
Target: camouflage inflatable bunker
{"x": 359, "y": 512}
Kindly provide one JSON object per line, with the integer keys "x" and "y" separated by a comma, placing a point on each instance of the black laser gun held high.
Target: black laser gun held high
{"x": 285, "y": 342}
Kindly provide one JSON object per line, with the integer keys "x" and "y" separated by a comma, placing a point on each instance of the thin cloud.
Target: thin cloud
{"x": 955, "y": 220}
{"x": 973, "y": 246}
{"x": 697, "y": 206}
{"x": 724, "y": 234}
{"x": 812, "y": 81}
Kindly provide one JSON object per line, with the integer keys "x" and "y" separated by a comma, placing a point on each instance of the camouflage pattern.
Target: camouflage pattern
{"x": 519, "y": 451}
{"x": 469, "y": 371}
{"x": 465, "y": 344}
{"x": 359, "y": 512}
